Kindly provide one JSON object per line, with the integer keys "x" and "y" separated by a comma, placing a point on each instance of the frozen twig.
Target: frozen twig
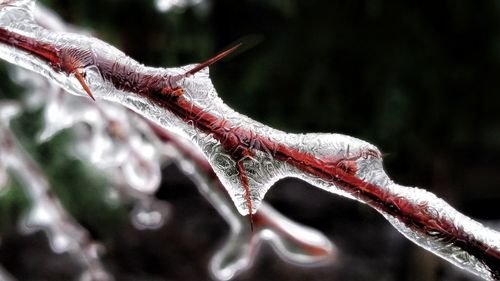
{"x": 248, "y": 157}
{"x": 47, "y": 213}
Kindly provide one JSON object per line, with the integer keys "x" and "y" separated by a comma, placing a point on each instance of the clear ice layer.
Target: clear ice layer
{"x": 46, "y": 214}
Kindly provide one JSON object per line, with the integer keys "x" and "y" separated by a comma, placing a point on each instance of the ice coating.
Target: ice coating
{"x": 3, "y": 176}
{"x": 47, "y": 213}
{"x": 248, "y": 156}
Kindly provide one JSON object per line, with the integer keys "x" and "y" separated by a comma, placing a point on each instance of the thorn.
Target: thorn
{"x": 79, "y": 77}
{"x": 211, "y": 61}
{"x": 250, "y": 218}
{"x": 244, "y": 182}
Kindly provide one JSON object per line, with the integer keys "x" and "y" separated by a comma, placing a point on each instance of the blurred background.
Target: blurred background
{"x": 419, "y": 79}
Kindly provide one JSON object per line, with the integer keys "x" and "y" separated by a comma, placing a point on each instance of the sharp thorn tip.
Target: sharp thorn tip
{"x": 211, "y": 60}
{"x": 81, "y": 80}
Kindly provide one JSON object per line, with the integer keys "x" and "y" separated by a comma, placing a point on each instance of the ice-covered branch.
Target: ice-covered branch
{"x": 248, "y": 157}
{"x": 47, "y": 213}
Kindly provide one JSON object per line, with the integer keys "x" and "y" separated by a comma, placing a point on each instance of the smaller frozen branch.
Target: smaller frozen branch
{"x": 46, "y": 213}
